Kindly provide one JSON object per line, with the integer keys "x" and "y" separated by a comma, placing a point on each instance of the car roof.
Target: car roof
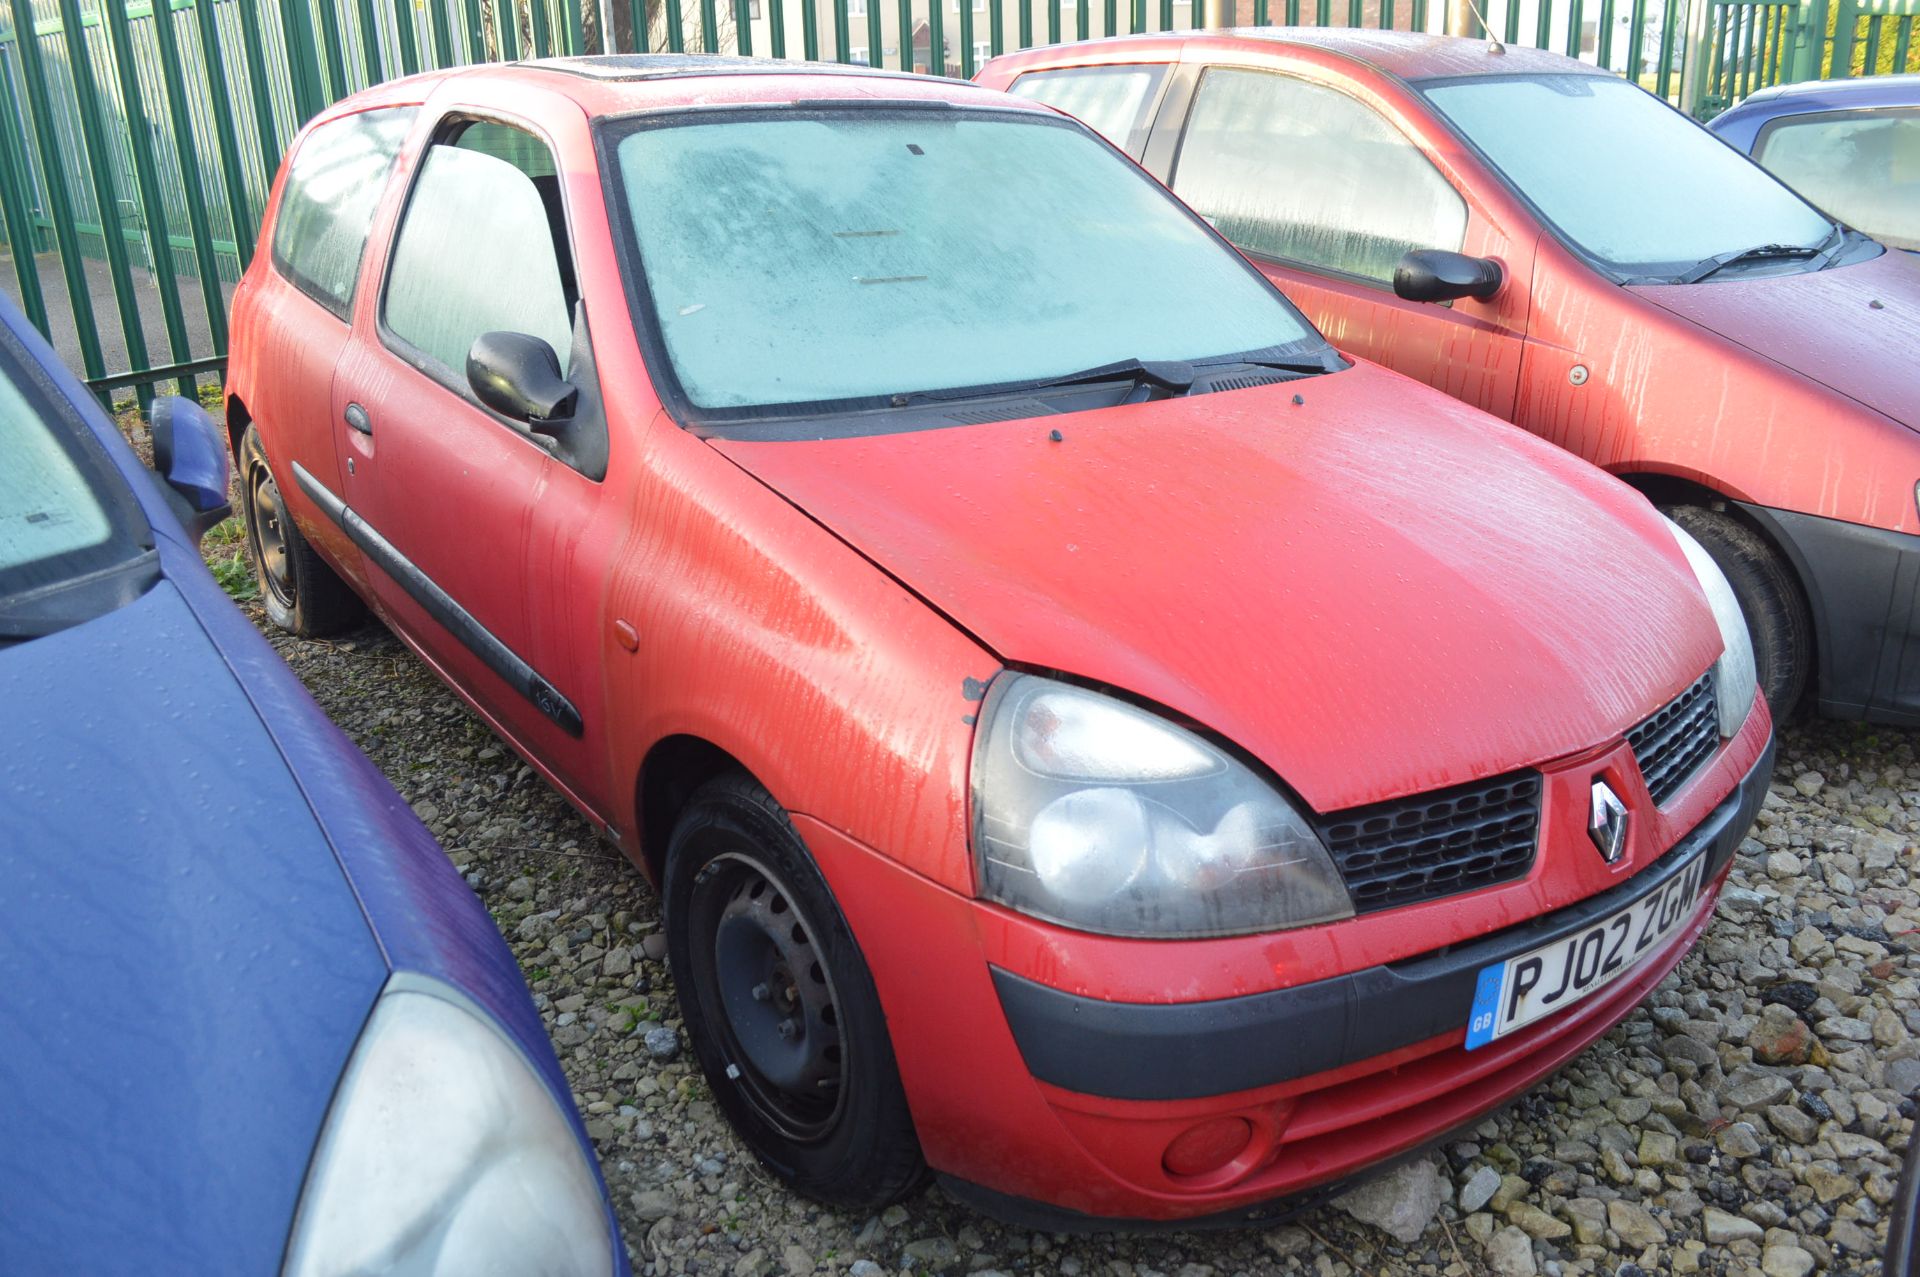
{"x": 1813, "y": 95}
{"x": 613, "y": 84}
{"x": 1408, "y": 55}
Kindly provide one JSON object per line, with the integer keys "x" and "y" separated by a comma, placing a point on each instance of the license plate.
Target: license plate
{"x": 1513, "y": 994}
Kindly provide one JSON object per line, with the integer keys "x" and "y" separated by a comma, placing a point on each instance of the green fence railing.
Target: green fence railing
{"x": 139, "y": 138}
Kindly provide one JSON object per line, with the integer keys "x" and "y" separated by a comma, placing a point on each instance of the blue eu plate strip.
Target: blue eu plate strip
{"x": 1486, "y": 1006}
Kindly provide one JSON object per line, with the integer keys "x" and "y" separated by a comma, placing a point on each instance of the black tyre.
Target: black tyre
{"x": 1776, "y": 611}
{"x": 302, "y": 595}
{"x": 780, "y": 1007}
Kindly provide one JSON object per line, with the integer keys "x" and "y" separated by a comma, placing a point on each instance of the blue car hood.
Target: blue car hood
{"x": 185, "y": 964}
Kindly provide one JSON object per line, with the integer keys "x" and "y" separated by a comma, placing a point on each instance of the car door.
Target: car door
{"x": 300, "y": 314}
{"x": 472, "y": 518}
{"x": 1325, "y": 193}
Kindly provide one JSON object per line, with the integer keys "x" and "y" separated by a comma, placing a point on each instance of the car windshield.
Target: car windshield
{"x": 805, "y": 262}
{"x": 1861, "y": 166}
{"x": 1623, "y": 176}
{"x": 64, "y": 515}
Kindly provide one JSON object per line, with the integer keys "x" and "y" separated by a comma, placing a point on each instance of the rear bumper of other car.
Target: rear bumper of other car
{"x": 1059, "y": 1110}
{"x": 1863, "y": 586}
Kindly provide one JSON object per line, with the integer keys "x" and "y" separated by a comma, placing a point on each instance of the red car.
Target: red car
{"x": 1548, "y": 242}
{"x": 1093, "y": 740}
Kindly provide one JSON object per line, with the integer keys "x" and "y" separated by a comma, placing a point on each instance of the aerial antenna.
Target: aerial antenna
{"x": 1493, "y": 42}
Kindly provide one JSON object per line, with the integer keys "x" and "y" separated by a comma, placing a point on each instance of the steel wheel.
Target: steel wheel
{"x": 269, "y": 532}
{"x": 760, "y": 980}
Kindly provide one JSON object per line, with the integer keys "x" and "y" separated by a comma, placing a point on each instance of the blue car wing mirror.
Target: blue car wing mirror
{"x": 190, "y": 456}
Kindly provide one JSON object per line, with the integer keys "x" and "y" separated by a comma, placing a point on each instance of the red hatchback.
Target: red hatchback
{"x": 1543, "y": 240}
{"x": 1093, "y": 740}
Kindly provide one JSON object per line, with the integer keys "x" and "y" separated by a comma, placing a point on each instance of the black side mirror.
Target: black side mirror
{"x": 1433, "y": 275}
{"x": 518, "y": 376}
{"x": 190, "y": 456}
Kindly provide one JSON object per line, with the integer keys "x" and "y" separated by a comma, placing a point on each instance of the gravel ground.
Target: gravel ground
{"x": 1749, "y": 1120}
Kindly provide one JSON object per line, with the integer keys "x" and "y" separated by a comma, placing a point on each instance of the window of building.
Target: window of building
{"x": 1307, "y": 174}
{"x": 326, "y": 211}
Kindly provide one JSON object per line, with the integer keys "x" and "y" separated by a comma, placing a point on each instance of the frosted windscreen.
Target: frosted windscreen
{"x": 851, "y": 255}
{"x": 47, "y": 511}
{"x": 1861, "y": 166}
{"x": 1622, "y": 175}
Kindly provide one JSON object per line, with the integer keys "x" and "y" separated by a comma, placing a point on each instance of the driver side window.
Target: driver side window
{"x": 1306, "y": 174}
{"x": 482, "y": 247}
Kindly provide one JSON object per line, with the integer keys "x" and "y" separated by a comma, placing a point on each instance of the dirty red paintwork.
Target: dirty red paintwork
{"x": 1334, "y": 585}
{"x": 1790, "y": 392}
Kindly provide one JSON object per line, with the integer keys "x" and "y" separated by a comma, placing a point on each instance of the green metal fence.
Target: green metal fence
{"x": 138, "y": 139}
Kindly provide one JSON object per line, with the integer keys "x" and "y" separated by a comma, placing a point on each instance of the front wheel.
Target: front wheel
{"x": 779, "y": 1004}
{"x": 301, "y": 594}
{"x": 1770, "y": 598}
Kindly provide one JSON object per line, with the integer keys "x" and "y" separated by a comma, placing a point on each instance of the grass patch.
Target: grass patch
{"x": 235, "y": 576}
{"x": 225, "y": 550}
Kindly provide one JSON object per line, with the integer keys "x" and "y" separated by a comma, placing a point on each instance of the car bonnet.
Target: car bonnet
{"x": 187, "y": 967}
{"x": 1374, "y": 589}
{"x": 1853, "y": 329}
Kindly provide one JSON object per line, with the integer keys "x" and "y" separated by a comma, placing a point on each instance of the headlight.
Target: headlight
{"x": 1100, "y": 816}
{"x": 445, "y": 1154}
{"x": 1734, "y": 677}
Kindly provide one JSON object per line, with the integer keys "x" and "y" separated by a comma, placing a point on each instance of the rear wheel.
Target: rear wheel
{"x": 301, "y": 594}
{"x": 779, "y": 1004}
{"x": 1776, "y": 611}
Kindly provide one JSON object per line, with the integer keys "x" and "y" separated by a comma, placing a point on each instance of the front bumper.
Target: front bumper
{"x": 1056, "y": 1107}
{"x": 1184, "y": 1050}
{"x": 1863, "y": 587}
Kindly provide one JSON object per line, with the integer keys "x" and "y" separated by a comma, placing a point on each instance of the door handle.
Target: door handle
{"x": 358, "y": 419}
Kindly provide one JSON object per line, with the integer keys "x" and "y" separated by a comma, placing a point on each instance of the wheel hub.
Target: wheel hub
{"x": 270, "y": 536}
{"x": 777, "y": 1001}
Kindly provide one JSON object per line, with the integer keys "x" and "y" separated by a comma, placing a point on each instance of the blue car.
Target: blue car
{"x": 253, "y": 1021}
{"x": 1850, "y": 146}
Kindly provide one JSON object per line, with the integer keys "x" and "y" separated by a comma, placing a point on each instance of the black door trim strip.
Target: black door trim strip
{"x": 442, "y": 607}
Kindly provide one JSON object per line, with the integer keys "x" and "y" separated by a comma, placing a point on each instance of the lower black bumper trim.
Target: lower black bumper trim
{"x": 1191, "y": 1050}
{"x": 1863, "y": 587}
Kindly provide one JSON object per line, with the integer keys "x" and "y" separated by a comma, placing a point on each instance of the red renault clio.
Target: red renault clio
{"x": 1546, "y": 241}
{"x": 1094, "y": 741}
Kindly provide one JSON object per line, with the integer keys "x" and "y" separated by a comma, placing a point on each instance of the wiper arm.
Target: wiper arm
{"x": 1305, "y": 367}
{"x": 1174, "y": 374}
{"x": 1761, "y": 252}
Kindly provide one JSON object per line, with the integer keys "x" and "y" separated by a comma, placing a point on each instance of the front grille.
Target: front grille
{"x": 1673, "y": 744}
{"x": 1435, "y": 844}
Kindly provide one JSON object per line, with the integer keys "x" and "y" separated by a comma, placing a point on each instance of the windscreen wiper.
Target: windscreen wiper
{"x": 1173, "y": 374}
{"x": 1763, "y": 252}
{"x": 1304, "y": 367}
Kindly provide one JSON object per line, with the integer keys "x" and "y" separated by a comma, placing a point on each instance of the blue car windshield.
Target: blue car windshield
{"x": 807, "y": 261}
{"x": 64, "y": 511}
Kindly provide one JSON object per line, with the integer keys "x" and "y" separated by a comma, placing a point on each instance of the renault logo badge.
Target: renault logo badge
{"x": 1607, "y": 823}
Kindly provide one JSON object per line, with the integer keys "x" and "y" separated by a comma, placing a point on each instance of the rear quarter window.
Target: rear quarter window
{"x": 333, "y": 187}
{"x": 1114, "y": 101}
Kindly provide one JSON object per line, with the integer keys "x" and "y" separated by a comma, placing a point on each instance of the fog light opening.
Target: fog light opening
{"x": 1206, "y": 1147}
